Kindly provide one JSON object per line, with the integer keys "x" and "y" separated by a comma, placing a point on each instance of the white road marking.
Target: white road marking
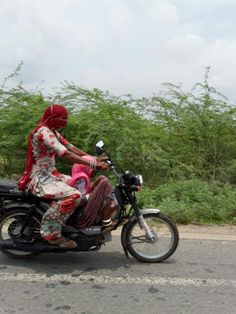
{"x": 125, "y": 280}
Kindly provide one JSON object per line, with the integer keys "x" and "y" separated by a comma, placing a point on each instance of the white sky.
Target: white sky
{"x": 124, "y": 46}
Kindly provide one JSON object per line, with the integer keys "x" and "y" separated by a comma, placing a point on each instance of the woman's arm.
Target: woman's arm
{"x": 70, "y": 146}
{"x": 74, "y": 158}
{"x": 73, "y": 154}
{"x": 77, "y": 151}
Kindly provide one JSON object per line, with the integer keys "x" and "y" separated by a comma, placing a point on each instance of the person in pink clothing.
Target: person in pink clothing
{"x": 101, "y": 203}
{"x": 81, "y": 176}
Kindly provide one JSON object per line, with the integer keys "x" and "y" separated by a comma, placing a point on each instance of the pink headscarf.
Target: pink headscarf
{"x": 82, "y": 171}
{"x": 51, "y": 117}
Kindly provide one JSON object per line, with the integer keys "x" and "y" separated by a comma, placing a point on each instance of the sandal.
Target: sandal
{"x": 64, "y": 243}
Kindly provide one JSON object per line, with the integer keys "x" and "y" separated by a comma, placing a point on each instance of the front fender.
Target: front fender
{"x": 150, "y": 211}
{"x": 124, "y": 229}
{"x": 144, "y": 211}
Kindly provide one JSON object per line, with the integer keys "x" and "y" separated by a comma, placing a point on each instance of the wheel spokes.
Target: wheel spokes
{"x": 140, "y": 239}
{"x": 11, "y": 228}
{"x": 163, "y": 238}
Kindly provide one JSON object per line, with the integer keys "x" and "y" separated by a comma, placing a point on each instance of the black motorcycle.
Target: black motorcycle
{"x": 148, "y": 235}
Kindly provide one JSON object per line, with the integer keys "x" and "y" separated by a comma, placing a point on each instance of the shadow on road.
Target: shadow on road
{"x": 69, "y": 262}
{"x": 75, "y": 262}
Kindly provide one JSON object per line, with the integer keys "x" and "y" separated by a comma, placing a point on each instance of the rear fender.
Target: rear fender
{"x": 13, "y": 205}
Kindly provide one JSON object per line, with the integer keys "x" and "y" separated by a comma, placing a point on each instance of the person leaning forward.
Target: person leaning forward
{"x": 42, "y": 179}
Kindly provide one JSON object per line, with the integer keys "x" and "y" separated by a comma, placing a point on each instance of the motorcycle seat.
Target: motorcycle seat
{"x": 9, "y": 186}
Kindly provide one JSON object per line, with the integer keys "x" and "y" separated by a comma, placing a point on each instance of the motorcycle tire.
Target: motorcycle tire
{"x": 9, "y": 222}
{"x": 165, "y": 234}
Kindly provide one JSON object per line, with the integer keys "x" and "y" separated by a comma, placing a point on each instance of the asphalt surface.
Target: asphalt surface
{"x": 199, "y": 278}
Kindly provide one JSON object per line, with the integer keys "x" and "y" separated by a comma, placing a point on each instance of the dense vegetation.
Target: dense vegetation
{"x": 184, "y": 144}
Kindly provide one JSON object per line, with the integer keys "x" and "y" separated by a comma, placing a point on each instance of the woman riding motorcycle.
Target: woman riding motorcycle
{"x": 42, "y": 179}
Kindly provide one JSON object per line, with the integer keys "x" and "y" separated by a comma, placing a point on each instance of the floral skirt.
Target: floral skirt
{"x": 65, "y": 199}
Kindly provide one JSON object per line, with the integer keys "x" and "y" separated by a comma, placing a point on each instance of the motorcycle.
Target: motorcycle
{"x": 148, "y": 235}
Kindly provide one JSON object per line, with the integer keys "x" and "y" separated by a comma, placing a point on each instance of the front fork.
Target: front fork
{"x": 140, "y": 218}
{"x": 144, "y": 225}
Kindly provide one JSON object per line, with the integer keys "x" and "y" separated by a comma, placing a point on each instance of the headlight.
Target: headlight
{"x": 140, "y": 179}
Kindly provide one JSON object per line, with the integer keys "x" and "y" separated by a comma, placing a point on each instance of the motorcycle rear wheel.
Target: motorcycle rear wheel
{"x": 166, "y": 238}
{"x": 10, "y": 222}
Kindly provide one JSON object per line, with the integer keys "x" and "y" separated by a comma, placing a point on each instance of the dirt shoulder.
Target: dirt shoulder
{"x": 204, "y": 232}
{"x": 208, "y": 232}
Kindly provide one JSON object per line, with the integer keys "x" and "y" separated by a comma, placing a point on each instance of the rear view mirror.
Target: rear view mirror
{"x": 100, "y": 147}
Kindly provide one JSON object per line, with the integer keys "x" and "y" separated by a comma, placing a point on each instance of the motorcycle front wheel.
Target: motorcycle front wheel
{"x": 162, "y": 246}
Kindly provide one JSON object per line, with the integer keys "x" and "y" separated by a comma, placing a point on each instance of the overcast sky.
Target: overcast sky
{"x": 124, "y": 46}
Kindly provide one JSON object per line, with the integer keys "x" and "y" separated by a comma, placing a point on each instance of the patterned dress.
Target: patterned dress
{"x": 47, "y": 182}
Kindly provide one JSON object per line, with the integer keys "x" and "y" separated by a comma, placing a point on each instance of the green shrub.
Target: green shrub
{"x": 193, "y": 201}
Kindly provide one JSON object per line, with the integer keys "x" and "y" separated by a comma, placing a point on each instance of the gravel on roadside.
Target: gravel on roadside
{"x": 210, "y": 232}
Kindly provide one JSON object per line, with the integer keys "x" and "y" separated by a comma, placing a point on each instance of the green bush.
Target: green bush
{"x": 184, "y": 144}
{"x": 193, "y": 201}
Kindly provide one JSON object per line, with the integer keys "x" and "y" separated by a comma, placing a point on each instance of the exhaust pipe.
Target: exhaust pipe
{"x": 36, "y": 247}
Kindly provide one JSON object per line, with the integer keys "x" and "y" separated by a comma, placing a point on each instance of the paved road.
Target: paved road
{"x": 199, "y": 278}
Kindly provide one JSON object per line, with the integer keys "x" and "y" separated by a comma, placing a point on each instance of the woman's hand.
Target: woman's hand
{"x": 102, "y": 165}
